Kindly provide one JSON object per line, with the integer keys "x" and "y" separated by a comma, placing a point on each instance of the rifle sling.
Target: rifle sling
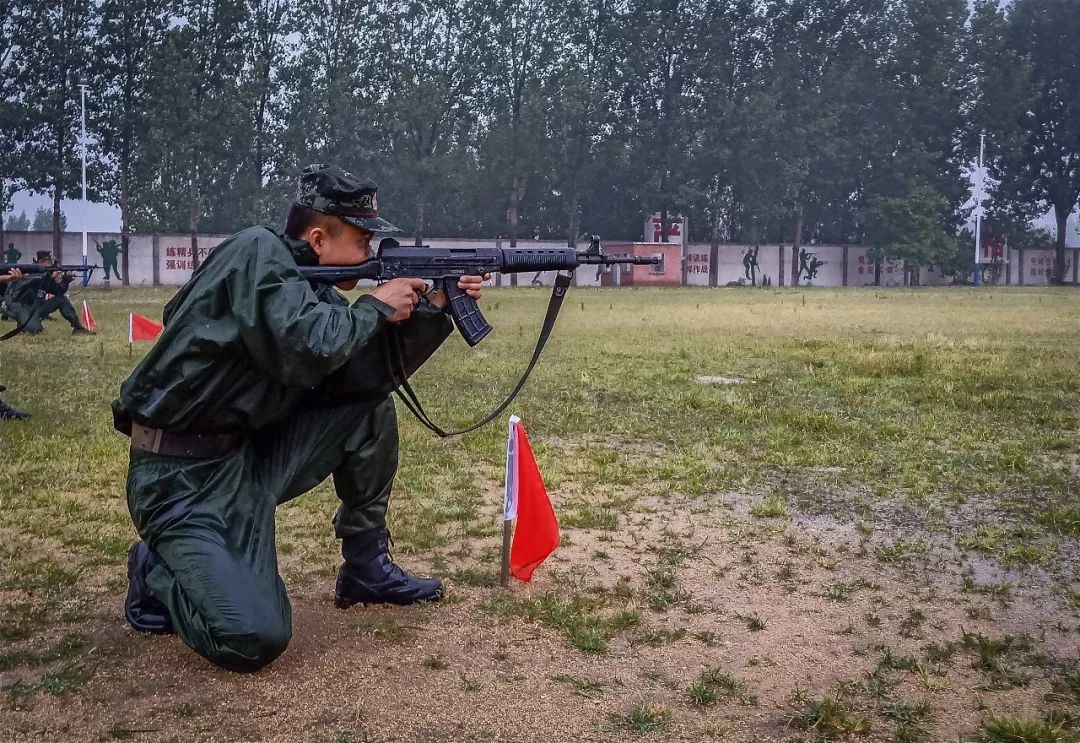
{"x": 406, "y": 394}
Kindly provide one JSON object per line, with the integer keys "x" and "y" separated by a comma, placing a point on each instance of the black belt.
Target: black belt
{"x": 193, "y": 445}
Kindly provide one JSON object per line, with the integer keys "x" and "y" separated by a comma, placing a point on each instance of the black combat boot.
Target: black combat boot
{"x": 143, "y": 610}
{"x": 370, "y": 576}
{"x": 8, "y": 413}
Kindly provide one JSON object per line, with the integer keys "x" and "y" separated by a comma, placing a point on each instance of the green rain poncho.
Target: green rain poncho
{"x": 249, "y": 347}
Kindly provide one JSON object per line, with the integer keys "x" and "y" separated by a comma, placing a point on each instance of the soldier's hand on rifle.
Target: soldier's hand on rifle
{"x": 471, "y": 285}
{"x": 12, "y": 275}
{"x": 402, "y": 295}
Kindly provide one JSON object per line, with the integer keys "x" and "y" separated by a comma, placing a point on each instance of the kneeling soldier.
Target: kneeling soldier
{"x": 259, "y": 388}
{"x": 36, "y": 297}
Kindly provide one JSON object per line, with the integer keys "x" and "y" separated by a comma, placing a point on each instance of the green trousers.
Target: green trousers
{"x": 211, "y": 522}
{"x": 30, "y": 319}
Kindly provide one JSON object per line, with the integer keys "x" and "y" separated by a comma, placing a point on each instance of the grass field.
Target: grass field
{"x": 787, "y": 515}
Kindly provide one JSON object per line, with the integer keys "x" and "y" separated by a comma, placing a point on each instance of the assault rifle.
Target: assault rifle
{"x": 37, "y": 268}
{"x": 443, "y": 267}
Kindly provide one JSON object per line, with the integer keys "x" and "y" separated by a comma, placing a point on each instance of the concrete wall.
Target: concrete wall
{"x": 166, "y": 260}
{"x": 152, "y": 259}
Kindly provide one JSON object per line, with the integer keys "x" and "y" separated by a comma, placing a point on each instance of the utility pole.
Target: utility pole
{"x": 82, "y": 91}
{"x": 979, "y": 208}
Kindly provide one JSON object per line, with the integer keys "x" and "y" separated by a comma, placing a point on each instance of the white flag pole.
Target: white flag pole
{"x": 510, "y": 494}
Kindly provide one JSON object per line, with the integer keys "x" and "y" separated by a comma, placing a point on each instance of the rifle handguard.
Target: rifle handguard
{"x": 466, "y": 312}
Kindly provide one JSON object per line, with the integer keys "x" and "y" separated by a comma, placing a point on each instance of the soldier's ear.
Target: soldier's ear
{"x": 316, "y": 238}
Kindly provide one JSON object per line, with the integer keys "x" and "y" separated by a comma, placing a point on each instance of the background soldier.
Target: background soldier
{"x": 12, "y": 255}
{"x": 6, "y": 411}
{"x": 259, "y": 388}
{"x": 28, "y": 300}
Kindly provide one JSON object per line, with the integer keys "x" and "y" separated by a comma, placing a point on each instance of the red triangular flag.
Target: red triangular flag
{"x": 537, "y": 532}
{"x": 142, "y": 328}
{"x": 88, "y": 317}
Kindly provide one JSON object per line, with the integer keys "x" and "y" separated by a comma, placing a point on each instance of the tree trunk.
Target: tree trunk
{"x": 665, "y": 228}
{"x": 1061, "y": 215}
{"x": 193, "y": 221}
{"x": 714, "y": 244}
{"x": 795, "y": 248}
{"x": 57, "y": 241}
{"x": 877, "y": 272}
{"x": 574, "y": 221}
{"x": 517, "y": 189}
{"x": 125, "y": 228}
{"x": 418, "y": 225}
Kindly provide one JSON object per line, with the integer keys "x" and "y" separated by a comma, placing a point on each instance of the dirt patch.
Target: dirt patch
{"x": 780, "y": 606}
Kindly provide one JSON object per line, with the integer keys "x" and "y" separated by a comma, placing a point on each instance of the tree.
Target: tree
{"x": 826, "y": 84}
{"x": 1031, "y": 109}
{"x": 909, "y": 227}
{"x": 667, "y": 38}
{"x": 264, "y": 46}
{"x": 191, "y": 152}
{"x": 430, "y": 86}
{"x": 582, "y": 95}
{"x": 735, "y": 60}
{"x": 518, "y": 44}
{"x": 20, "y": 223}
{"x": 13, "y": 119}
{"x": 52, "y": 44}
{"x": 125, "y": 74}
{"x": 327, "y": 98}
{"x": 925, "y": 80}
{"x": 44, "y": 220}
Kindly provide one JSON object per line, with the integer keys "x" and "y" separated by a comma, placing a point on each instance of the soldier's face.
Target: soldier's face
{"x": 351, "y": 245}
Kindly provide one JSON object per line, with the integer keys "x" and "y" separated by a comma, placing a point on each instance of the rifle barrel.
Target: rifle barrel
{"x": 37, "y": 268}
{"x": 608, "y": 260}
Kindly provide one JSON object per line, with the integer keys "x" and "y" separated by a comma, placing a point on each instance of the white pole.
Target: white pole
{"x": 82, "y": 90}
{"x": 978, "y": 210}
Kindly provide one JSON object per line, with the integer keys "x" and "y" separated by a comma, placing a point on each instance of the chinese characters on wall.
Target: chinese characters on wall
{"x": 697, "y": 263}
{"x": 178, "y": 257}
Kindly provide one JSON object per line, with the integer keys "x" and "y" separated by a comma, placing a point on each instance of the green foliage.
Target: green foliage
{"x": 713, "y": 685}
{"x": 773, "y": 507}
{"x": 909, "y": 226}
{"x": 645, "y": 718}
{"x": 19, "y": 223}
{"x": 43, "y": 220}
{"x": 766, "y": 119}
{"x": 1027, "y": 85}
{"x": 825, "y": 719}
{"x": 1013, "y": 729}
{"x": 583, "y": 619}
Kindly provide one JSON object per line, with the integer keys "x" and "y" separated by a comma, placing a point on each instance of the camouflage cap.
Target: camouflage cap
{"x": 43, "y": 255}
{"x": 331, "y": 190}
